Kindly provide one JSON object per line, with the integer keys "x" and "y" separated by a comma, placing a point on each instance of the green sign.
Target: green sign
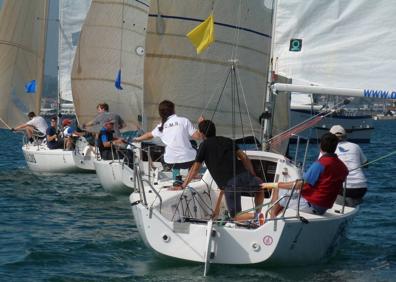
{"x": 295, "y": 45}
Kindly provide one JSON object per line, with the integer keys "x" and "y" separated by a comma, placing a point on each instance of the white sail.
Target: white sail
{"x": 71, "y": 17}
{"x": 22, "y": 48}
{"x": 112, "y": 38}
{"x": 345, "y": 43}
{"x": 194, "y": 82}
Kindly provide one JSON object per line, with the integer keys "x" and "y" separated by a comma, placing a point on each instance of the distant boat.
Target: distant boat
{"x": 333, "y": 45}
{"x": 358, "y": 126}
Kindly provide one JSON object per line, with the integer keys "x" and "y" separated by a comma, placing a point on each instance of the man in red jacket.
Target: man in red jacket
{"x": 322, "y": 182}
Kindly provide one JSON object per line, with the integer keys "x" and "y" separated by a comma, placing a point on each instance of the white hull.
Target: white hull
{"x": 43, "y": 160}
{"x": 118, "y": 178}
{"x": 290, "y": 242}
{"x": 114, "y": 176}
{"x": 358, "y": 128}
{"x": 162, "y": 223}
{"x": 84, "y": 155}
{"x": 84, "y": 162}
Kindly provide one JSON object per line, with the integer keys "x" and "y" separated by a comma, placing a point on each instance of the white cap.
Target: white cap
{"x": 337, "y": 130}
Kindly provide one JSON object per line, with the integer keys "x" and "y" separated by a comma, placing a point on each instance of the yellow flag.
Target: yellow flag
{"x": 202, "y": 35}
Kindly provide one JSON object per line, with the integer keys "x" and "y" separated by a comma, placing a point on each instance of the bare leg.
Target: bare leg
{"x": 218, "y": 203}
{"x": 276, "y": 209}
{"x": 29, "y": 131}
{"x": 259, "y": 200}
{"x": 244, "y": 217}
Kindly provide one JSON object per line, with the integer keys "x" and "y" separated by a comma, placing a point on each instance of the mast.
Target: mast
{"x": 58, "y": 110}
{"x": 268, "y": 107}
{"x": 41, "y": 58}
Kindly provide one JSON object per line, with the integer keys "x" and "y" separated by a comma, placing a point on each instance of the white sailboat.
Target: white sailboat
{"x": 39, "y": 157}
{"x": 178, "y": 228}
{"x": 22, "y": 60}
{"x": 178, "y": 223}
{"x": 351, "y": 48}
{"x": 112, "y": 40}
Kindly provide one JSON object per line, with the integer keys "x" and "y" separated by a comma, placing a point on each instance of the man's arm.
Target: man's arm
{"x": 22, "y": 126}
{"x": 191, "y": 174}
{"x": 146, "y": 136}
{"x": 282, "y": 185}
{"x": 196, "y": 135}
{"x": 218, "y": 204}
{"x": 52, "y": 137}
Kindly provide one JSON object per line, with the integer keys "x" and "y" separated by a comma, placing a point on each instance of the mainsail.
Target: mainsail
{"x": 71, "y": 17}
{"x": 345, "y": 44}
{"x": 112, "y": 39}
{"x": 22, "y": 48}
{"x": 194, "y": 82}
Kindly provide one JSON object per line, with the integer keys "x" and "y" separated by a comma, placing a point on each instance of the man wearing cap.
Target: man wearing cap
{"x": 68, "y": 133}
{"x": 107, "y": 141}
{"x": 352, "y": 156}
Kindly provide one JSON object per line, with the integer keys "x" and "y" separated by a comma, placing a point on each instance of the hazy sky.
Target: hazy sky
{"x": 51, "y": 63}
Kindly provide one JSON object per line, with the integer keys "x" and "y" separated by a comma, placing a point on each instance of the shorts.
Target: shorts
{"x": 353, "y": 197}
{"x": 243, "y": 184}
{"x": 185, "y": 165}
{"x": 305, "y": 206}
{"x": 55, "y": 145}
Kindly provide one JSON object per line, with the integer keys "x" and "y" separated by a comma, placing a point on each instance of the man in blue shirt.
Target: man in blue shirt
{"x": 107, "y": 142}
{"x": 53, "y": 140}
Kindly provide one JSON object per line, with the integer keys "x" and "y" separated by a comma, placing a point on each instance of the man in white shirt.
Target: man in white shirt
{"x": 103, "y": 116}
{"x": 352, "y": 156}
{"x": 36, "y": 126}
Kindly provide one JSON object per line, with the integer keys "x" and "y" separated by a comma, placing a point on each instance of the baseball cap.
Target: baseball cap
{"x": 66, "y": 122}
{"x": 337, "y": 130}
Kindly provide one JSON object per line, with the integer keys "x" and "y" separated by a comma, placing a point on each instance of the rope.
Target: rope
{"x": 374, "y": 161}
{"x": 9, "y": 127}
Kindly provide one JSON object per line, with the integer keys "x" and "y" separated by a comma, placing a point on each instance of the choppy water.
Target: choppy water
{"x": 66, "y": 228}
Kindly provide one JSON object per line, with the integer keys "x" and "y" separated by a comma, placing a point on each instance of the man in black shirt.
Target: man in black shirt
{"x": 230, "y": 168}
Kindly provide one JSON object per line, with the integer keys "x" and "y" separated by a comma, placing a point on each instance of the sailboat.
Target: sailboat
{"x": 112, "y": 44}
{"x": 350, "y": 49}
{"x": 178, "y": 223}
{"x": 38, "y": 156}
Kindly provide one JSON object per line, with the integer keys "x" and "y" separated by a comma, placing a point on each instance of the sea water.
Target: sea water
{"x": 66, "y": 228}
